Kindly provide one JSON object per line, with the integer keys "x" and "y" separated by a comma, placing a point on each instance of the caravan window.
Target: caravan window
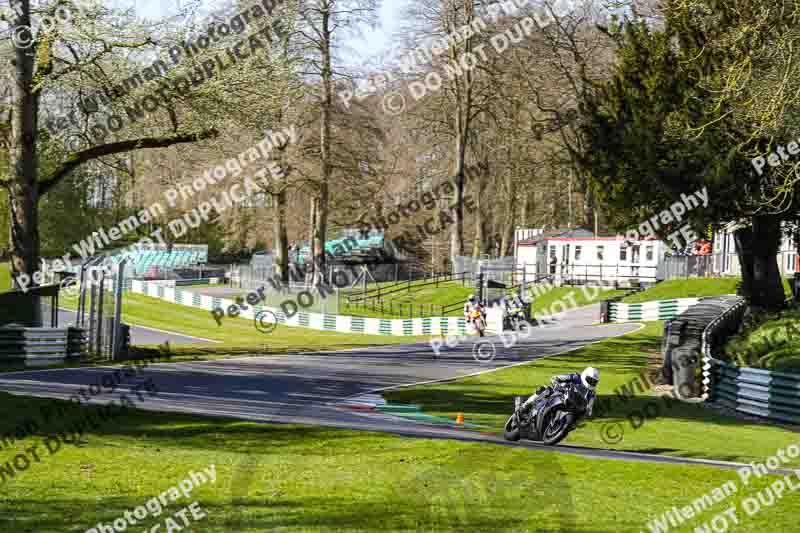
{"x": 577, "y": 253}
{"x": 623, "y": 254}
{"x": 600, "y": 250}
{"x": 649, "y": 253}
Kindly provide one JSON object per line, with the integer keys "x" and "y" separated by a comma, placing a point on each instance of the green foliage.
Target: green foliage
{"x": 660, "y": 126}
{"x": 5, "y": 277}
{"x": 770, "y": 341}
{"x": 65, "y": 218}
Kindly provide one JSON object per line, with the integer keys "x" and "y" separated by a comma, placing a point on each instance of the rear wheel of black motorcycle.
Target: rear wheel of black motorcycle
{"x": 512, "y": 429}
{"x": 553, "y": 435}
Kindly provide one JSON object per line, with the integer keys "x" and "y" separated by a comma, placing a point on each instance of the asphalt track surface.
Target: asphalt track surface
{"x": 309, "y": 388}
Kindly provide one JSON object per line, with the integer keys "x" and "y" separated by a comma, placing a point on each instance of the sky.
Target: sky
{"x": 367, "y": 42}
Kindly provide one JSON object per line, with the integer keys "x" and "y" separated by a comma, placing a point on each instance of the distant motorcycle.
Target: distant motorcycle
{"x": 557, "y": 414}
{"x": 478, "y": 321}
{"x": 514, "y": 319}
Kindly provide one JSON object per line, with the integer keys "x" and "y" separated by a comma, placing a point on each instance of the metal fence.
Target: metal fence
{"x": 718, "y": 264}
{"x": 608, "y": 275}
{"x": 257, "y": 274}
{"x": 100, "y": 295}
{"x": 690, "y": 266}
{"x": 502, "y": 270}
{"x": 372, "y": 298}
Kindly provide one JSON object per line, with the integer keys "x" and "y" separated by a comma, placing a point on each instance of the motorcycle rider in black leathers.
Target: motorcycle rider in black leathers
{"x": 585, "y": 383}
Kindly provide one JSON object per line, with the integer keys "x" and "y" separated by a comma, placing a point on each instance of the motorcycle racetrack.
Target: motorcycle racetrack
{"x": 318, "y": 388}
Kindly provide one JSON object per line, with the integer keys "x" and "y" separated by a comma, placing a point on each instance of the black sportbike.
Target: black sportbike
{"x": 557, "y": 413}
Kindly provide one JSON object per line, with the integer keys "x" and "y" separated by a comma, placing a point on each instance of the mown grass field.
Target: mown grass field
{"x": 685, "y": 288}
{"x": 303, "y": 479}
{"x": 679, "y": 429}
{"x": 235, "y": 336}
{"x": 421, "y": 293}
{"x": 691, "y": 288}
{"x": 543, "y": 299}
{"x": 544, "y": 303}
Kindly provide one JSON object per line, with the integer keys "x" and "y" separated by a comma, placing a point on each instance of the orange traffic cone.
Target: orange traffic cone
{"x": 460, "y": 419}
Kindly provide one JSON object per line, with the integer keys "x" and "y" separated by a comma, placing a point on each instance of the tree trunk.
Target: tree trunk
{"x": 757, "y": 248}
{"x": 588, "y": 209}
{"x": 309, "y": 265}
{"x": 24, "y": 189}
{"x": 463, "y": 111}
{"x": 321, "y": 225}
{"x": 526, "y": 204}
{"x": 507, "y": 228}
{"x": 457, "y": 234}
{"x": 281, "y": 237}
{"x": 480, "y": 244}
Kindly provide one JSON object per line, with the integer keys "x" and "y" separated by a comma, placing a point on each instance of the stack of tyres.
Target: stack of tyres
{"x": 687, "y": 355}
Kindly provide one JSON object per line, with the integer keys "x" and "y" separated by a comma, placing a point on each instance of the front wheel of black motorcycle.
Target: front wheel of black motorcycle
{"x": 556, "y": 427}
{"x": 512, "y": 429}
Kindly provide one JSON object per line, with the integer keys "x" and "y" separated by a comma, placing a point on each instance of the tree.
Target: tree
{"x": 322, "y": 22}
{"x": 35, "y": 66}
{"x": 687, "y": 107}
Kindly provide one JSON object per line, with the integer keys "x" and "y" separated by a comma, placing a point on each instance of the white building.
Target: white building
{"x": 726, "y": 262}
{"x": 577, "y": 256}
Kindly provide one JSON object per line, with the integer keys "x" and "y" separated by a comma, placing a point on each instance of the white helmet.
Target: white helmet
{"x": 590, "y": 377}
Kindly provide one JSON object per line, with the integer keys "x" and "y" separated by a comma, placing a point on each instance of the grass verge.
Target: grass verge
{"x": 543, "y": 302}
{"x": 418, "y": 296}
{"x": 236, "y": 336}
{"x": 691, "y": 288}
{"x": 685, "y": 288}
{"x": 769, "y": 341}
{"x": 625, "y": 419}
{"x": 304, "y": 479}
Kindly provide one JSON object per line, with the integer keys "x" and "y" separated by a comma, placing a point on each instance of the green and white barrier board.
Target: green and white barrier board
{"x": 341, "y": 323}
{"x": 658, "y": 310}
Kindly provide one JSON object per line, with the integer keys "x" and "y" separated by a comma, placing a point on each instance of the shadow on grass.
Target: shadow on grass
{"x": 163, "y": 430}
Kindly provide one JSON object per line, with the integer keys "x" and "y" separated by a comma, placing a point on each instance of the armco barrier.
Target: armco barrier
{"x": 341, "y": 323}
{"x": 771, "y": 395}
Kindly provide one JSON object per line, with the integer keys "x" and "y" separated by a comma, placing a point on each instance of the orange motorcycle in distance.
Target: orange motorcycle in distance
{"x": 478, "y": 321}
